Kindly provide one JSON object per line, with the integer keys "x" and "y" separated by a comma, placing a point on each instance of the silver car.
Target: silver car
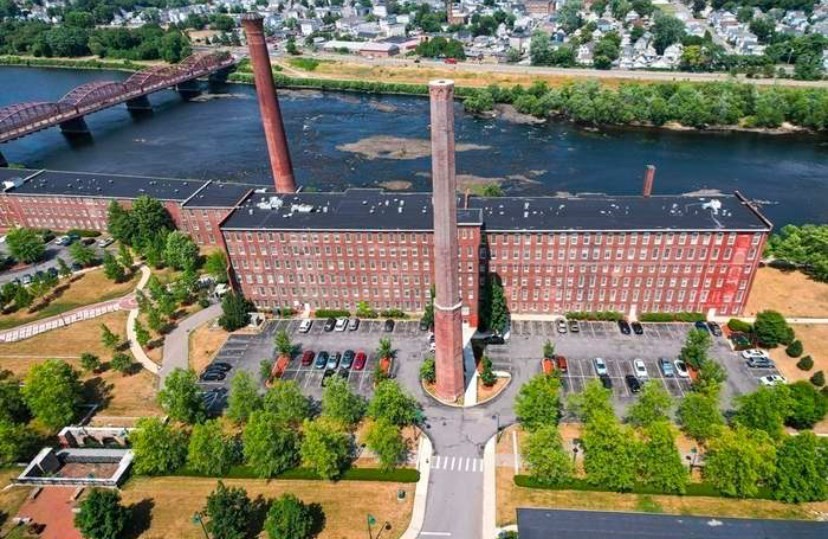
{"x": 600, "y": 367}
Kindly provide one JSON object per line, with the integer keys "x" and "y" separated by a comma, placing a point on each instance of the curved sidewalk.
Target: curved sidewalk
{"x": 177, "y": 342}
{"x": 134, "y": 347}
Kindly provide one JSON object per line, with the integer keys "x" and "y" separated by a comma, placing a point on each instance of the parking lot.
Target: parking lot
{"x": 245, "y": 352}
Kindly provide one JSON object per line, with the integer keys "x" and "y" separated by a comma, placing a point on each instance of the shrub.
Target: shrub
{"x": 738, "y": 326}
{"x": 428, "y": 372}
{"x": 487, "y": 376}
{"x": 794, "y": 349}
{"x": 671, "y": 317}
{"x": 818, "y": 379}
{"x": 393, "y": 313}
{"x": 805, "y": 363}
{"x": 83, "y": 233}
{"x": 601, "y": 316}
{"x": 333, "y": 313}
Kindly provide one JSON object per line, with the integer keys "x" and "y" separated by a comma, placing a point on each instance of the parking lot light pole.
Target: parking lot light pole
{"x": 198, "y": 518}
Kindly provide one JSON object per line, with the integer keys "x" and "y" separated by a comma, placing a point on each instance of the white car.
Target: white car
{"x": 600, "y": 367}
{"x": 754, "y": 353}
{"x": 640, "y": 369}
{"x": 772, "y": 380}
{"x": 681, "y": 369}
{"x": 305, "y": 325}
{"x": 341, "y": 324}
{"x": 105, "y": 242}
{"x": 561, "y": 324}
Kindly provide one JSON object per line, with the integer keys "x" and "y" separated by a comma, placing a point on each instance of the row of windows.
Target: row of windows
{"x": 546, "y": 307}
{"x": 624, "y": 295}
{"x": 65, "y": 224}
{"x": 620, "y": 238}
{"x": 616, "y": 282}
{"x": 365, "y": 294}
{"x": 512, "y": 269}
{"x": 620, "y": 254}
{"x": 334, "y": 237}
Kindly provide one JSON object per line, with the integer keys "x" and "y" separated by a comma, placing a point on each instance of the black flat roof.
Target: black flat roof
{"x": 219, "y": 195}
{"x": 562, "y": 524}
{"x": 373, "y": 209}
{"x": 14, "y": 174}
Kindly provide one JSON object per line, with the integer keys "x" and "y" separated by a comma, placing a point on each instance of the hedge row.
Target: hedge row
{"x": 603, "y": 316}
{"x": 124, "y": 65}
{"x": 332, "y": 313}
{"x": 399, "y": 475}
{"x": 738, "y": 326}
{"x": 83, "y": 233}
{"x": 394, "y": 313}
{"x": 693, "y": 489}
{"x": 672, "y": 317}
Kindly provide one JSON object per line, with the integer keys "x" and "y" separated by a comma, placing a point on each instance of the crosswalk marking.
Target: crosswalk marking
{"x": 457, "y": 464}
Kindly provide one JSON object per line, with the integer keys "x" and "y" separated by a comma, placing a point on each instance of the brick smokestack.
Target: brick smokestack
{"x": 649, "y": 178}
{"x": 277, "y": 146}
{"x": 448, "y": 316}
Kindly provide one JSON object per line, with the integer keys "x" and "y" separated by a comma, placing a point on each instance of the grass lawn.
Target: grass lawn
{"x": 792, "y": 293}
{"x": 205, "y": 341}
{"x": 85, "y": 289}
{"x": 175, "y": 499}
{"x": 10, "y": 499}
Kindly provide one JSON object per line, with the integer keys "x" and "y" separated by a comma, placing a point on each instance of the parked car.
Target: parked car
{"x": 424, "y": 325}
{"x": 560, "y": 362}
{"x": 221, "y": 365}
{"x": 333, "y": 360}
{"x": 701, "y": 326}
{"x": 561, "y": 324}
{"x": 330, "y": 323}
{"x": 633, "y": 383}
{"x": 360, "y": 360}
{"x": 326, "y": 375}
{"x": 343, "y": 373}
{"x": 624, "y": 327}
{"x": 347, "y": 359}
{"x": 637, "y": 328}
{"x": 494, "y": 339}
{"x": 666, "y": 367}
{"x": 451, "y": 61}
{"x": 640, "y": 369}
{"x": 600, "y": 367}
{"x": 772, "y": 380}
{"x": 754, "y": 353}
{"x": 353, "y": 324}
{"x": 606, "y": 381}
{"x": 388, "y": 327}
{"x": 307, "y": 357}
{"x": 715, "y": 329}
{"x": 574, "y": 327}
{"x": 213, "y": 376}
{"x": 305, "y": 325}
{"x": 105, "y": 242}
{"x": 75, "y": 266}
{"x": 52, "y": 272}
{"x": 760, "y": 363}
{"x": 63, "y": 240}
{"x": 321, "y": 360}
{"x": 341, "y": 324}
{"x": 681, "y": 369}
{"x": 27, "y": 278}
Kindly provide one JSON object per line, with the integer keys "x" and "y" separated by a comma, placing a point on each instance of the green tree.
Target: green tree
{"x": 538, "y": 402}
{"x": 180, "y": 252}
{"x": 235, "y": 311}
{"x": 101, "y": 515}
{"x": 493, "y": 190}
{"x": 544, "y": 454}
{"x": 289, "y": 518}
{"x": 500, "y": 312}
{"x": 569, "y": 16}
{"x": 181, "y": 397}
{"x": 22, "y": 297}
{"x": 765, "y": 409}
{"x": 112, "y": 268}
{"x": 666, "y": 31}
{"x": 12, "y": 405}
{"x": 287, "y": 403}
{"x": 230, "y": 512}
{"x": 244, "y": 397}
{"x": 210, "y": 451}
{"x": 151, "y": 220}
{"x": 81, "y": 254}
{"x": 325, "y": 448}
{"x": 594, "y": 401}
{"x": 284, "y": 347}
{"x": 392, "y": 403}
{"x": 125, "y": 257}
{"x": 53, "y": 392}
{"x": 17, "y": 442}
{"x": 801, "y": 469}
{"x": 120, "y": 224}
{"x": 341, "y": 404}
{"x": 772, "y": 329}
{"x": 216, "y": 266}
{"x": 386, "y": 442}
{"x": 653, "y": 405}
{"x": 159, "y": 448}
{"x": 428, "y": 371}
{"x": 90, "y": 362}
{"x": 26, "y": 245}
{"x": 794, "y": 349}
{"x": 142, "y": 336}
{"x": 610, "y": 453}
{"x": 808, "y": 406}
{"x": 695, "y": 349}
{"x": 63, "y": 268}
{"x": 699, "y": 415}
{"x": 269, "y": 447}
{"x": 122, "y": 363}
{"x": 738, "y": 460}
{"x": 659, "y": 462}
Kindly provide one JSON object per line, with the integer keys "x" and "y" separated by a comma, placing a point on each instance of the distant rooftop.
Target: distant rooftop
{"x": 220, "y": 195}
{"x": 373, "y": 209}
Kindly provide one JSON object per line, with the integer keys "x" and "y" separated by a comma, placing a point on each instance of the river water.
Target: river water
{"x": 220, "y": 137}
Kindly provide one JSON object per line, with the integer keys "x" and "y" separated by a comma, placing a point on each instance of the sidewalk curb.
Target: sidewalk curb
{"x": 424, "y": 454}
{"x": 490, "y": 489}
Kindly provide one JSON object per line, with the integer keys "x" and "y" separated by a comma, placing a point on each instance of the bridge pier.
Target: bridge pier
{"x": 3, "y": 162}
{"x": 188, "y": 89}
{"x": 75, "y": 127}
{"x": 139, "y": 104}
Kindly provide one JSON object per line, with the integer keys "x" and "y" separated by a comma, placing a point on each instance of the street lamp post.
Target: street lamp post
{"x": 198, "y": 518}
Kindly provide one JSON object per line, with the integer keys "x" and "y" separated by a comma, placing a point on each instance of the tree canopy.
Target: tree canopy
{"x": 269, "y": 447}
{"x": 53, "y": 392}
{"x": 772, "y": 329}
{"x": 181, "y": 397}
{"x": 801, "y": 469}
{"x": 26, "y": 245}
{"x": 159, "y": 448}
{"x": 230, "y": 511}
{"x": 386, "y": 442}
{"x": 286, "y": 402}
{"x": 392, "y": 403}
{"x": 325, "y": 448}
{"x": 653, "y": 405}
{"x": 101, "y": 516}
{"x": 544, "y": 454}
{"x": 739, "y": 460}
{"x": 538, "y": 402}
{"x": 341, "y": 404}
{"x": 289, "y": 518}
{"x": 244, "y": 397}
{"x": 210, "y": 451}
{"x": 803, "y": 245}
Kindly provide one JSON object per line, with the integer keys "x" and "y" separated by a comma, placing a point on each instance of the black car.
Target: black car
{"x": 389, "y": 326}
{"x": 326, "y": 375}
{"x": 220, "y": 366}
{"x": 624, "y": 327}
{"x": 52, "y": 272}
{"x": 702, "y": 326}
{"x": 329, "y": 325}
{"x": 424, "y": 325}
{"x": 633, "y": 383}
{"x": 347, "y": 359}
{"x": 715, "y": 329}
{"x": 606, "y": 381}
{"x": 343, "y": 373}
{"x": 494, "y": 339}
{"x": 637, "y": 328}
{"x": 213, "y": 376}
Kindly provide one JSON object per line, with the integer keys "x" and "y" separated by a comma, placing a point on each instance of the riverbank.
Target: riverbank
{"x": 75, "y": 63}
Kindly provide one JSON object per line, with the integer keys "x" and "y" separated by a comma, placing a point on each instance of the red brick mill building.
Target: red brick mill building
{"x": 331, "y": 250}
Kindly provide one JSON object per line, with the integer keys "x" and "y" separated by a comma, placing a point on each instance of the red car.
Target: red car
{"x": 307, "y": 357}
{"x": 561, "y": 363}
{"x": 450, "y": 60}
{"x": 359, "y": 361}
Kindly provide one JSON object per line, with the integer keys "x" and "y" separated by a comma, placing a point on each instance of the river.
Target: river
{"x": 220, "y": 137}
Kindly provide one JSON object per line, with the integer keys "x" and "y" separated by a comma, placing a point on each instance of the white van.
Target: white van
{"x": 305, "y": 325}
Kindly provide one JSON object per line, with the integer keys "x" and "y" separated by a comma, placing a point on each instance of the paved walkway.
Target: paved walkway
{"x": 134, "y": 347}
{"x": 176, "y": 343}
{"x": 790, "y": 320}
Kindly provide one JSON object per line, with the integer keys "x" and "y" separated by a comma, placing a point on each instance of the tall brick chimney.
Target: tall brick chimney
{"x": 649, "y": 178}
{"x": 277, "y": 146}
{"x": 448, "y": 316}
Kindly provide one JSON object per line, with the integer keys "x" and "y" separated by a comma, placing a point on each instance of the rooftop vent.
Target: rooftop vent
{"x": 714, "y": 205}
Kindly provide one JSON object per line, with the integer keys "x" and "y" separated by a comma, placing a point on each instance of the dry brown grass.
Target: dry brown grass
{"x": 82, "y": 290}
{"x": 345, "y": 505}
{"x": 205, "y": 342}
{"x": 792, "y": 293}
{"x": 10, "y": 499}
